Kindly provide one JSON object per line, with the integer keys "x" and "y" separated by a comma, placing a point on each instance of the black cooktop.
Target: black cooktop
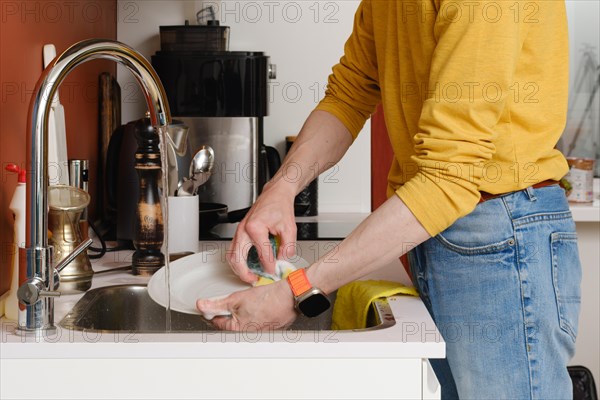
{"x": 332, "y": 230}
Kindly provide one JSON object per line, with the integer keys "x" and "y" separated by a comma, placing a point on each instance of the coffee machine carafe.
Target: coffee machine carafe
{"x": 222, "y": 97}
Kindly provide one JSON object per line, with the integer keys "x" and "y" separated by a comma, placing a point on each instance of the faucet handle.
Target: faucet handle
{"x": 81, "y": 247}
{"x": 33, "y": 290}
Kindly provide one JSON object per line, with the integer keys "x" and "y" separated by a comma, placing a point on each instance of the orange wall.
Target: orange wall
{"x": 25, "y": 27}
{"x": 381, "y": 159}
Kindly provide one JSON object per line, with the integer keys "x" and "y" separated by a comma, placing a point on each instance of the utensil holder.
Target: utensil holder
{"x": 183, "y": 224}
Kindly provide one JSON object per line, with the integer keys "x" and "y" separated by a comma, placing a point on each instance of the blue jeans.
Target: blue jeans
{"x": 503, "y": 286}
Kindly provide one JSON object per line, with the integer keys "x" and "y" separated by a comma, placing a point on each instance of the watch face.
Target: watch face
{"x": 314, "y": 305}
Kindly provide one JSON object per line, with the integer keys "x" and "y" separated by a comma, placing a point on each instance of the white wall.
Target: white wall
{"x": 584, "y": 35}
{"x": 303, "y": 38}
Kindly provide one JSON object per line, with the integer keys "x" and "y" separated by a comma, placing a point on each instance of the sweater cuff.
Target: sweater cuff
{"x": 437, "y": 204}
{"x": 345, "y": 113}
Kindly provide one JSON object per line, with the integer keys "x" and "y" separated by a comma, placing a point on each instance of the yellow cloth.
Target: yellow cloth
{"x": 474, "y": 96}
{"x": 354, "y": 299}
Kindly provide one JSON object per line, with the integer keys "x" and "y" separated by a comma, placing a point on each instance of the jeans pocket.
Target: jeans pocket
{"x": 470, "y": 249}
{"x": 486, "y": 230}
{"x": 566, "y": 276}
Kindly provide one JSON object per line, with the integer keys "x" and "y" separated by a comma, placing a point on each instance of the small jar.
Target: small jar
{"x": 581, "y": 179}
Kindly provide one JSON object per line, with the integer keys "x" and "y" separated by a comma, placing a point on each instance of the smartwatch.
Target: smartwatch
{"x": 310, "y": 301}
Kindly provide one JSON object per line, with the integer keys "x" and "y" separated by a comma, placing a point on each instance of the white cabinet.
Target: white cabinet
{"x": 226, "y": 378}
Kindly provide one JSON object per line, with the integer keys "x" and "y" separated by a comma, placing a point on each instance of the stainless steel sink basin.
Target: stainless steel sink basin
{"x": 129, "y": 308}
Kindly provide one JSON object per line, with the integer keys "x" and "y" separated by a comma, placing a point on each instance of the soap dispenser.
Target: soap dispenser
{"x": 17, "y": 206}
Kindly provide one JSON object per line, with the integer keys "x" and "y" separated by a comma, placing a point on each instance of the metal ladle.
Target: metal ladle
{"x": 200, "y": 171}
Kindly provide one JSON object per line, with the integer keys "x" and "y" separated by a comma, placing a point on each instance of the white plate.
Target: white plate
{"x": 198, "y": 276}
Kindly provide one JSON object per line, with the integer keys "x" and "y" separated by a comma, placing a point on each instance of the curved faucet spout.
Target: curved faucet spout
{"x": 41, "y": 102}
{"x": 39, "y": 257}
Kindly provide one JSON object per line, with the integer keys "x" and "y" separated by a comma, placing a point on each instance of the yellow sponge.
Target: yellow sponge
{"x": 282, "y": 270}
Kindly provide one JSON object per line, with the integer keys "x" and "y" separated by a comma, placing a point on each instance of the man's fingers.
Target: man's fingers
{"x": 287, "y": 246}
{"x": 247, "y": 276}
{"x": 237, "y": 255}
{"x": 260, "y": 238}
{"x": 226, "y": 323}
{"x": 210, "y": 307}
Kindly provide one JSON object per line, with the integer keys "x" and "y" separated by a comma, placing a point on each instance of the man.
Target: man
{"x": 474, "y": 95}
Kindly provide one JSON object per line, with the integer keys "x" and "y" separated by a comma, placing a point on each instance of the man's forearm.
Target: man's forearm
{"x": 385, "y": 235}
{"x": 321, "y": 143}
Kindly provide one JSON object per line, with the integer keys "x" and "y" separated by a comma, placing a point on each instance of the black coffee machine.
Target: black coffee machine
{"x": 222, "y": 96}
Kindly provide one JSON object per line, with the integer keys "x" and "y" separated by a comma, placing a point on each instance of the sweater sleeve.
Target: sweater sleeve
{"x": 353, "y": 90}
{"x": 472, "y": 69}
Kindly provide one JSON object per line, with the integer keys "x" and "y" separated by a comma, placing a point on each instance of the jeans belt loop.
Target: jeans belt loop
{"x": 530, "y": 193}
{"x": 485, "y": 196}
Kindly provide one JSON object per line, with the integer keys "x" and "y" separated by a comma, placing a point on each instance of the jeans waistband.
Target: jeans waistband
{"x": 485, "y": 196}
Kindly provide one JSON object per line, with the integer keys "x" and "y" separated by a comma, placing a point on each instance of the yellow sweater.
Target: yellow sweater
{"x": 474, "y": 94}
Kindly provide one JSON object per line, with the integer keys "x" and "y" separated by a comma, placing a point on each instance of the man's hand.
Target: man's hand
{"x": 272, "y": 213}
{"x": 260, "y": 308}
{"x": 321, "y": 143}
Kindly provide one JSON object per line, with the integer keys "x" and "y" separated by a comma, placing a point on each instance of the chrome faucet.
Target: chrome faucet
{"x": 38, "y": 292}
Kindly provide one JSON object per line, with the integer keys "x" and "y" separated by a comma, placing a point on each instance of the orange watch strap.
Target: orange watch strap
{"x": 298, "y": 281}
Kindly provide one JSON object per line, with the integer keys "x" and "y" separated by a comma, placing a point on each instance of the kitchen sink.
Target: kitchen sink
{"x": 129, "y": 308}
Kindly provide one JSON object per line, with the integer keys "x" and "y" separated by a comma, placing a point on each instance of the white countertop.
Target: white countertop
{"x": 588, "y": 212}
{"x": 414, "y": 334}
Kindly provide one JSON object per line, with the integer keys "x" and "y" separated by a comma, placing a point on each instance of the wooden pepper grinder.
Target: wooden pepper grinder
{"x": 148, "y": 233}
